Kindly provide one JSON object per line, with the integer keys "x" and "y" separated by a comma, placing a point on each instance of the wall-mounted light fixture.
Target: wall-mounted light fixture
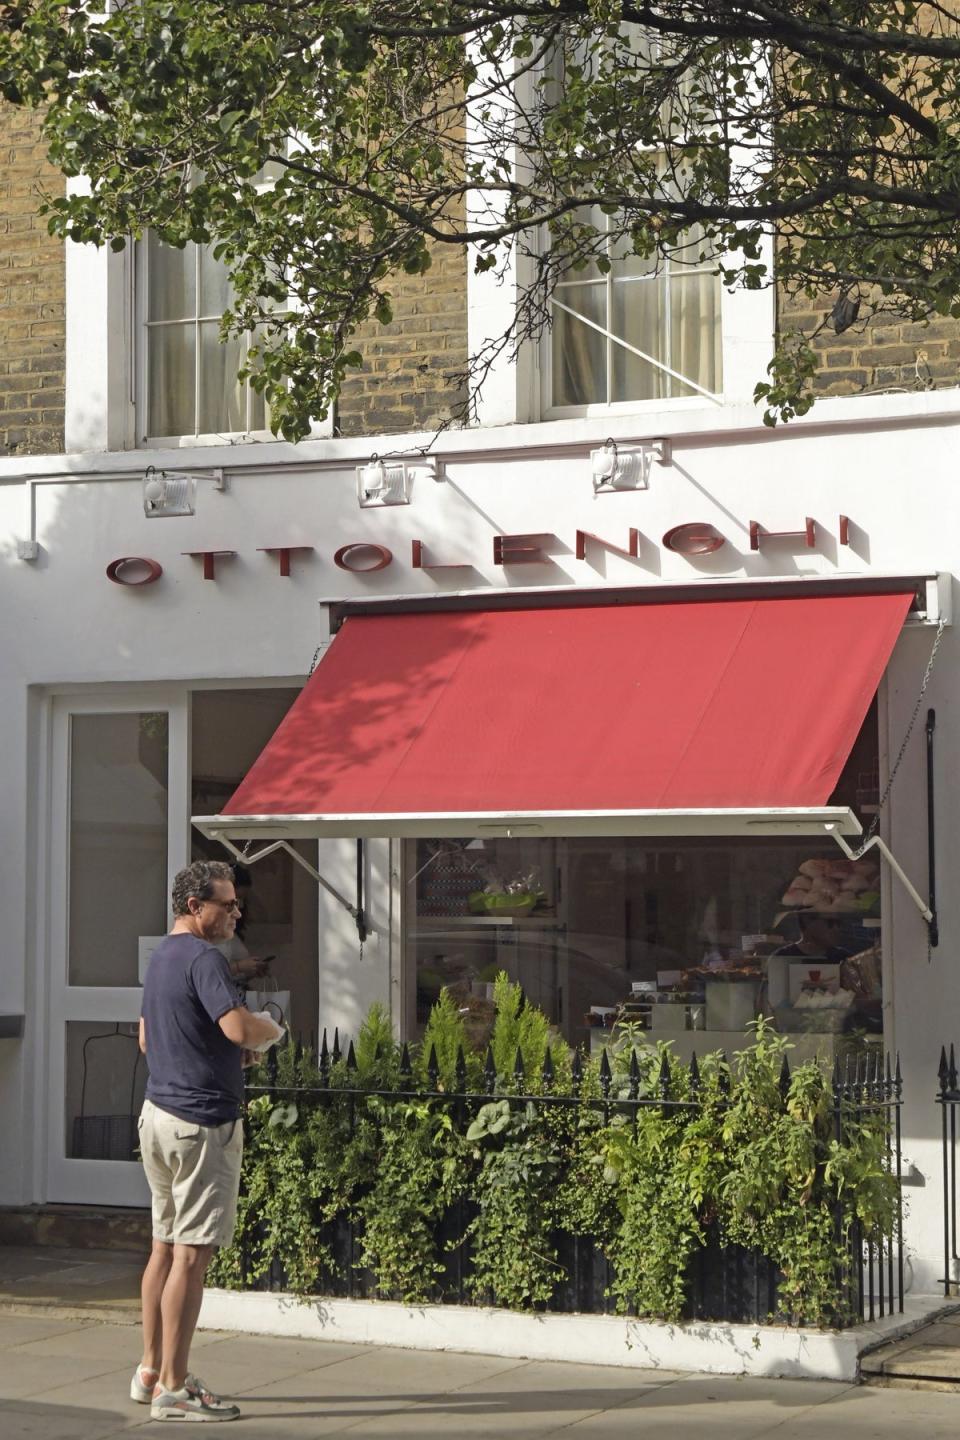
{"x": 169, "y": 493}
{"x": 390, "y": 482}
{"x": 626, "y": 467}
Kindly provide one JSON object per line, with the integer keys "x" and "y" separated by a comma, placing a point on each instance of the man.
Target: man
{"x": 818, "y": 938}
{"x": 194, "y": 1031}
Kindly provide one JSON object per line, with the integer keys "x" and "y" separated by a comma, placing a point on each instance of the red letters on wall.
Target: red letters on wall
{"x": 363, "y": 557}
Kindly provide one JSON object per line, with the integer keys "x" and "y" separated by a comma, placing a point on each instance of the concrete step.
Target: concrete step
{"x": 76, "y": 1227}
{"x": 68, "y": 1284}
{"x": 927, "y": 1359}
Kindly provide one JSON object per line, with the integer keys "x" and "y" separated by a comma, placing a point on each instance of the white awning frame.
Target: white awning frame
{"x": 835, "y": 822}
{"x": 774, "y": 820}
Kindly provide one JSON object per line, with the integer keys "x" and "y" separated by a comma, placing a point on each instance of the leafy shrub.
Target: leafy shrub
{"x": 744, "y": 1154}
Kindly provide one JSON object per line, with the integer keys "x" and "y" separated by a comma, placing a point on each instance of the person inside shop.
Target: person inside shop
{"x": 818, "y": 938}
{"x": 244, "y": 967}
{"x": 819, "y": 934}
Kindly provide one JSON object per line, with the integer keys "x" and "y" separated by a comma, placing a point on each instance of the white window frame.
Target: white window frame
{"x": 104, "y": 372}
{"x": 196, "y": 321}
{"x": 515, "y": 392}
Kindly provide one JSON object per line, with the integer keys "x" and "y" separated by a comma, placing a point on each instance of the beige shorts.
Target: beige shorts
{"x": 194, "y": 1176}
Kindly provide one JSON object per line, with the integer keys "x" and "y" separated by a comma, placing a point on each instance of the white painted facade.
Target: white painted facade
{"x": 71, "y": 638}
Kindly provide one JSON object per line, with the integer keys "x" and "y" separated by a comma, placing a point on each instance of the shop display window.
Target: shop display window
{"x": 689, "y": 940}
{"x": 278, "y": 899}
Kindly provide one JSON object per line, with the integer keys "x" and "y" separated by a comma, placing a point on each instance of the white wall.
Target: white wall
{"x": 66, "y": 624}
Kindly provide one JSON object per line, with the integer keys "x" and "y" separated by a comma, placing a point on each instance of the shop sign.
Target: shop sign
{"x": 692, "y": 538}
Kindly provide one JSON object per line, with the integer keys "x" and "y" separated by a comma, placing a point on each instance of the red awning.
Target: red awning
{"x": 608, "y": 711}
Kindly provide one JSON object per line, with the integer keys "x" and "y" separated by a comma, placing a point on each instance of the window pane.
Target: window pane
{"x": 579, "y": 351}
{"x": 639, "y": 319}
{"x": 678, "y": 938}
{"x": 229, "y": 730}
{"x": 216, "y": 292}
{"x": 172, "y": 283}
{"x": 270, "y": 173}
{"x": 118, "y": 844}
{"x": 695, "y": 329}
{"x": 171, "y": 378}
{"x": 105, "y": 1080}
{"x": 222, "y": 397}
{"x": 257, "y": 408}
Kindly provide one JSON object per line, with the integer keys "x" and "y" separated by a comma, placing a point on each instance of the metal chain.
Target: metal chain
{"x": 875, "y": 823}
{"x": 313, "y": 662}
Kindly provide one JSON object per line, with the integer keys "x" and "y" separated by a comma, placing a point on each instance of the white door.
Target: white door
{"x": 119, "y": 832}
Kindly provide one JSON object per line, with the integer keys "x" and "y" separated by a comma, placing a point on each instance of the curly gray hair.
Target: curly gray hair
{"x": 198, "y": 880}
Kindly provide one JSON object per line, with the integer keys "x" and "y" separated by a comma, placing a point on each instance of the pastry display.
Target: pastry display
{"x": 834, "y": 887}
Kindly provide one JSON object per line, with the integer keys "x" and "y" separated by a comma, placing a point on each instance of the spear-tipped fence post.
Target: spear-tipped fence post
{"x": 336, "y": 1046}
{"x": 433, "y": 1068}
{"x": 634, "y": 1076}
{"x": 489, "y": 1072}
{"x": 351, "y": 1057}
{"x": 546, "y": 1073}
{"x": 606, "y": 1074}
{"x": 695, "y": 1081}
{"x": 519, "y": 1073}
{"x": 324, "y": 1060}
{"x": 784, "y": 1078}
{"x": 406, "y": 1068}
{"x": 460, "y": 1070}
{"x": 576, "y": 1070}
{"x": 897, "y": 1141}
{"x": 663, "y": 1080}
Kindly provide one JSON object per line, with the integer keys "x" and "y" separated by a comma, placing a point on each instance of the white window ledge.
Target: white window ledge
{"x": 715, "y": 425}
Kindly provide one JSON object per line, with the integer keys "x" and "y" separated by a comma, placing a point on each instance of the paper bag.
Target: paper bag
{"x": 276, "y": 1003}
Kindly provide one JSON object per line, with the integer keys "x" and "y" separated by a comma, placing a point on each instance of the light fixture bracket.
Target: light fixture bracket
{"x": 171, "y": 493}
{"x": 390, "y": 481}
{"x": 626, "y": 467}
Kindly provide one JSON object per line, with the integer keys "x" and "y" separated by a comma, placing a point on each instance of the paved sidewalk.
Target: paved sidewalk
{"x": 64, "y": 1379}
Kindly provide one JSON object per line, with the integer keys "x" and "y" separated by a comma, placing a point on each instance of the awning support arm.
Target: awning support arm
{"x": 875, "y": 843}
{"x": 247, "y": 859}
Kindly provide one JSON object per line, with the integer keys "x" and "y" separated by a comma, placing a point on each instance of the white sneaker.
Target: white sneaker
{"x": 193, "y": 1402}
{"x": 139, "y": 1389}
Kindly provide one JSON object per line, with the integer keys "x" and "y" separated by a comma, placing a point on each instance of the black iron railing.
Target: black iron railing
{"x": 864, "y": 1089}
{"x": 948, "y": 1098}
{"x": 726, "y": 1282}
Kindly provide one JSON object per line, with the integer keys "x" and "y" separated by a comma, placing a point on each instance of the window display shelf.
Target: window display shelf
{"x": 803, "y": 1046}
{"x": 473, "y": 922}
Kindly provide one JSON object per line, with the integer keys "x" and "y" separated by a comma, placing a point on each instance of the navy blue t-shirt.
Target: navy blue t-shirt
{"x": 196, "y": 1073}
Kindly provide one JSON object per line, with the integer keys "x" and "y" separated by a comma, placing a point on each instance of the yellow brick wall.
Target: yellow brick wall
{"x": 412, "y": 368}
{"x": 32, "y": 329}
{"x": 887, "y": 355}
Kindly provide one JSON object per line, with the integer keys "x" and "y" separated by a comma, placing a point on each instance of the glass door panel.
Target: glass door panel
{"x": 118, "y": 843}
{"x": 119, "y": 830}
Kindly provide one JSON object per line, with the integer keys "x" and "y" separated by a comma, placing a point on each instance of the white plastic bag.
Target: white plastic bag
{"x": 274, "y": 1039}
{"x": 276, "y": 1002}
